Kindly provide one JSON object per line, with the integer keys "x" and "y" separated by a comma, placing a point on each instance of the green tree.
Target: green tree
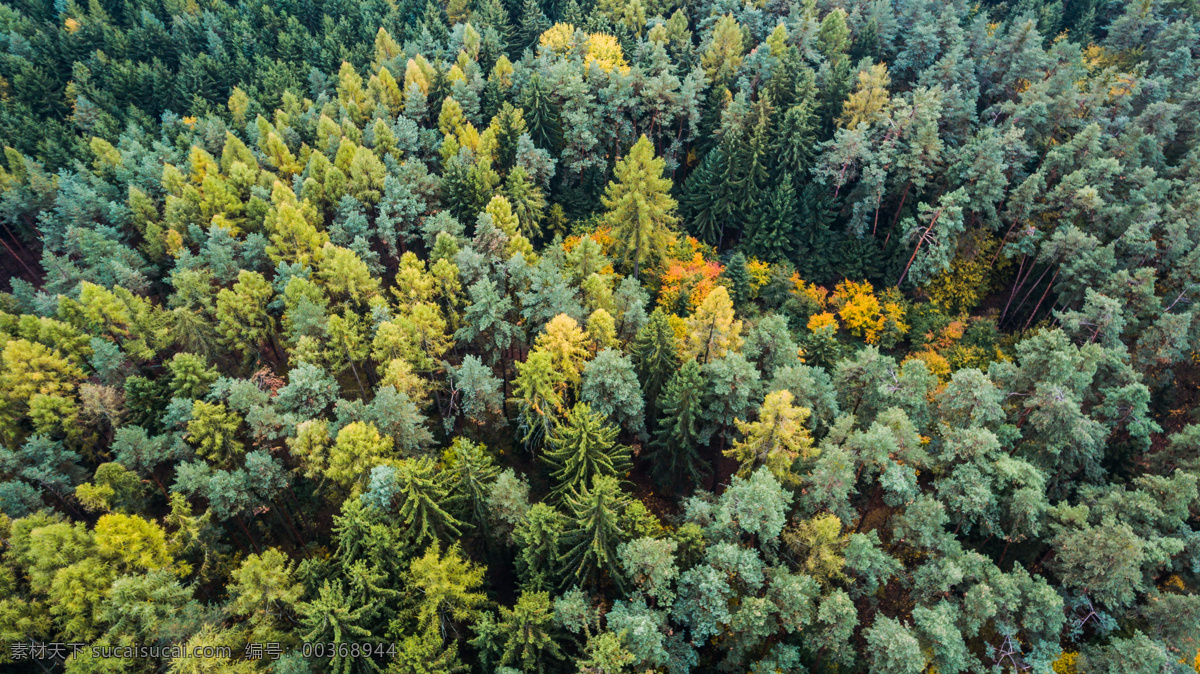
{"x": 675, "y": 456}
{"x": 332, "y": 618}
{"x": 190, "y": 375}
{"x": 242, "y": 318}
{"x": 894, "y": 647}
{"x": 536, "y": 394}
{"x": 522, "y": 635}
{"x": 776, "y": 440}
{"x": 264, "y": 587}
{"x": 213, "y": 430}
{"x": 595, "y": 534}
{"x": 655, "y": 355}
{"x": 418, "y": 494}
{"x": 582, "y": 447}
{"x": 539, "y": 539}
{"x": 479, "y": 390}
{"x": 610, "y": 386}
{"x": 473, "y": 471}
{"x": 447, "y": 584}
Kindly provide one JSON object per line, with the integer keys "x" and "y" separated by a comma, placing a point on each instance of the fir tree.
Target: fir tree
{"x": 541, "y": 115}
{"x": 656, "y": 358}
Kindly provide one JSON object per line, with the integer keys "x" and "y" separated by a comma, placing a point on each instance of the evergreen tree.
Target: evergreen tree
{"x": 675, "y": 458}
{"x": 739, "y": 280}
{"x": 541, "y": 115}
{"x": 582, "y": 447}
{"x": 596, "y": 533}
{"x": 418, "y": 494}
{"x": 770, "y": 235}
{"x": 611, "y": 387}
{"x": 705, "y": 205}
{"x": 331, "y": 618}
{"x": 523, "y": 635}
{"x": 655, "y": 358}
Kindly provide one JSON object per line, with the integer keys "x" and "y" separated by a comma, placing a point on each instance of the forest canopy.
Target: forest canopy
{"x": 600, "y": 336}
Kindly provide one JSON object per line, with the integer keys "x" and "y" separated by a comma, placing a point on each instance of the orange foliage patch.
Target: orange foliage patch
{"x": 687, "y": 283}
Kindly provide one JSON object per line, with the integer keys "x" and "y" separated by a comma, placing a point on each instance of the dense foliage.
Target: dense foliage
{"x": 613, "y": 336}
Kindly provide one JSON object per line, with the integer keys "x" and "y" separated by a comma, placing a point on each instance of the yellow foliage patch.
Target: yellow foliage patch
{"x": 812, "y": 291}
{"x": 601, "y": 49}
{"x": 1065, "y": 664}
{"x": 818, "y": 321}
{"x": 760, "y": 274}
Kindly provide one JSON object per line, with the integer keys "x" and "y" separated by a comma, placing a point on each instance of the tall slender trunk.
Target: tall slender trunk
{"x": 246, "y": 530}
{"x": 896, "y": 217}
{"x": 357, "y": 378}
{"x": 1040, "y": 300}
{"x": 1016, "y": 286}
{"x": 18, "y": 258}
{"x": 287, "y": 522}
{"x": 1033, "y": 289}
{"x": 920, "y": 242}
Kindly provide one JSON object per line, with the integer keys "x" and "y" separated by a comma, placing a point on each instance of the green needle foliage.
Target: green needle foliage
{"x": 607, "y": 337}
{"x": 582, "y": 447}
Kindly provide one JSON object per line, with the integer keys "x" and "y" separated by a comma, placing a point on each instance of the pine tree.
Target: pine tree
{"x": 674, "y": 457}
{"x": 640, "y": 208}
{"x": 583, "y": 446}
{"x": 611, "y": 387}
{"x": 472, "y": 471}
{"x": 523, "y": 636}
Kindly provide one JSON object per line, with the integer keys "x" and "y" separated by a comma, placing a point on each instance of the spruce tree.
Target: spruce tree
{"x": 595, "y": 534}
{"x": 674, "y": 453}
{"x": 752, "y": 179}
{"x": 533, "y": 24}
{"x": 739, "y": 281}
{"x": 541, "y": 115}
{"x": 770, "y": 234}
{"x": 655, "y": 358}
{"x": 418, "y": 494}
{"x": 701, "y": 202}
{"x": 583, "y": 446}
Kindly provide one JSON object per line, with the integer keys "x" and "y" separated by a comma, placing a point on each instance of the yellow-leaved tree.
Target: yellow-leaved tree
{"x": 640, "y": 207}
{"x": 712, "y": 330}
{"x": 777, "y": 439}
